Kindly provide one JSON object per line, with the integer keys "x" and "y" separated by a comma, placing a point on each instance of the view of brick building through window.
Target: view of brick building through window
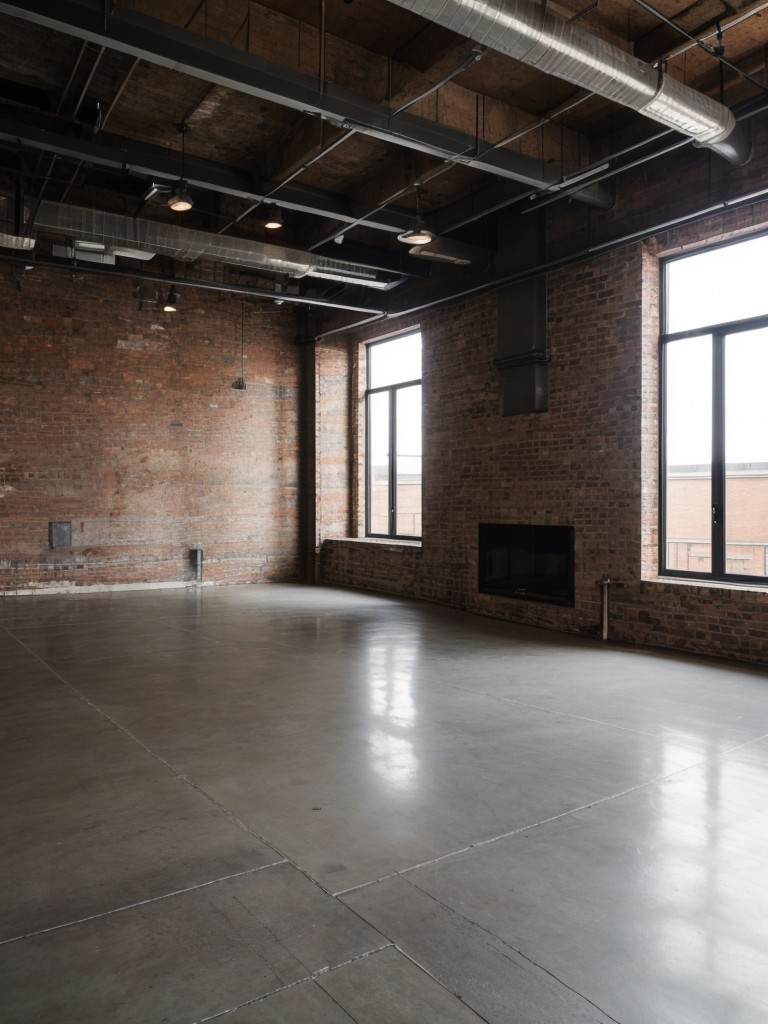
{"x": 689, "y": 517}
{"x": 408, "y": 502}
{"x": 715, "y": 436}
{"x": 393, "y": 437}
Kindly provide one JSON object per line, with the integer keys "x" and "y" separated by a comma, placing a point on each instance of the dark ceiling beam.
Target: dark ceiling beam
{"x": 375, "y": 259}
{"x": 312, "y": 140}
{"x": 167, "y": 46}
{"x": 48, "y": 134}
{"x": 303, "y": 143}
{"x": 30, "y": 260}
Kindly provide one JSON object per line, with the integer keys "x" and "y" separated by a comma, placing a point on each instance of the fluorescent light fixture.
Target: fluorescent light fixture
{"x": 16, "y": 242}
{"x": 133, "y": 254}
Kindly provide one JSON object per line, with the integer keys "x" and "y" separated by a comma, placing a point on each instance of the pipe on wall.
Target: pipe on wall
{"x": 604, "y": 584}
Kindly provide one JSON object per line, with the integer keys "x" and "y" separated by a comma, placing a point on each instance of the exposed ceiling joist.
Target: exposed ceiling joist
{"x": 527, "y": 32}
{"x": 49, "y": 134}
{"x": 228, "y": 288}
{"x": 165, "y": 45}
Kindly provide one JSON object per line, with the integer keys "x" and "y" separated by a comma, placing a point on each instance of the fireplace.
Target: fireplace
{"x": 521, "y": 560}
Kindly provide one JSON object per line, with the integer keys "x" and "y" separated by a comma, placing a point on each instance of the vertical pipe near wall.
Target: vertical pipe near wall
{"x": 307, "y": 450}
{"x": 321, "y": 69}
{"x": 604, "y": 583}
{"x": 196, "y": 561}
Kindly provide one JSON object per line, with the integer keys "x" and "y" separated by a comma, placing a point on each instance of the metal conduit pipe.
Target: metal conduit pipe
{"x": 605, "y": 169}
{"x": 526, "y": 32}
{"x": 759, "y": 196}
{"x": 113, "y": 229}
{"x": 472, "y": 58}
{"x": 604, "y": 584}
{"x": 72, "y": 266}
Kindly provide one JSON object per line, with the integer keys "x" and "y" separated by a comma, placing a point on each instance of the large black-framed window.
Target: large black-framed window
{"x": 393, "y": 437}
{"x": 714, "y": 415}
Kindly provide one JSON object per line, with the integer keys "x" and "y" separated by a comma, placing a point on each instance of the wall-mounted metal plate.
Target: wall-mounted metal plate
{"x": 60, "y": 535}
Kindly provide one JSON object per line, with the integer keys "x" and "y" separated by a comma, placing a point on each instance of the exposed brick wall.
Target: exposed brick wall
{"x": 589, "y": 462}
{"x": 333, "y": 418}
{"x": 124, "y": 423}
{"x": 393, "y": 568}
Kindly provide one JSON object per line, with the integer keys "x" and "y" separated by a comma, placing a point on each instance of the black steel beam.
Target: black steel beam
{"x": 160, "y": 43}
{"x": 375, "y": 259}
{"x": 30, "y": 260}
{"x": 50, "y": 134}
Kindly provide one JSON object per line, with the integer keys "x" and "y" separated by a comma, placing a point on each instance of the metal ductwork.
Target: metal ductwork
{"x": 116, "y": 231}
{"x": 525, "y": 31}
{"x": 10, "y": 229}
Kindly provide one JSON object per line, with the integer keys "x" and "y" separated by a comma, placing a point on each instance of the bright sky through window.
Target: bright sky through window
{"x": 717, "y": 286}
{"x": 714, "y": 287}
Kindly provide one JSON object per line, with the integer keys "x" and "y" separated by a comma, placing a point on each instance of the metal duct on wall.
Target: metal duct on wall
{"x": 526, "y": 32}
{"x": 187, "y": 244}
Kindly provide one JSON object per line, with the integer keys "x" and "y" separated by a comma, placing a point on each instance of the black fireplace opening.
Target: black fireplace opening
{"x": 526, "y": 561}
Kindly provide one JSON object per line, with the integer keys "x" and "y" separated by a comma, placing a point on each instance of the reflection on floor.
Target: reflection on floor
{"x": 293, "y": 804}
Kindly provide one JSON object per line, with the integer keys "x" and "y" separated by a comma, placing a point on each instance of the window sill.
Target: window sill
{"x": 391, "y": 543}
{"x": 702, "y": 584}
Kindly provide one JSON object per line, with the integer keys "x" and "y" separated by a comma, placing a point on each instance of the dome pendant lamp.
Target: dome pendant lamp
{"x": 181, "y": 200}
{"x": 417, "y": 233}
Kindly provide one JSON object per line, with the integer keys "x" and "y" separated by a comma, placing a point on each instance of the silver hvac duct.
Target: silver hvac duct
{"x": 525, "y": 31}
{"x": 114, "y": 230}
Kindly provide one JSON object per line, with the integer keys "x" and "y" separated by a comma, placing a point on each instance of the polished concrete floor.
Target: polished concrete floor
{"x": 289, "y": 804}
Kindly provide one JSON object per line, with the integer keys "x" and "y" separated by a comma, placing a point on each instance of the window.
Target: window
{"x": 714, "y": 450}
{"x": 393, "y": 438}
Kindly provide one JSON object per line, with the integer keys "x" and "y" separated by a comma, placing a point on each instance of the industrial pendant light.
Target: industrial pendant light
{"x": 239, "y": 384}
{"x": 273, "y": 218}
{"x": 181, "y": 200}
{"x": 171, "y": 302}
{"x": 417, "y": 233}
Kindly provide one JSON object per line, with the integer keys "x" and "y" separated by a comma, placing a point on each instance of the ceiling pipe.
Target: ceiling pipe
{"x": 188, "y": 244}
{"x": 526, "y": 32}
{"x": 72, "y": 266}
{"x": 163, "y": 44}
{"x": 561, "y": 262}
{"x": 54, "y": 135}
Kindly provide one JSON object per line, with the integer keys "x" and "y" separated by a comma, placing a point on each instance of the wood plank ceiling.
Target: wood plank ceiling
{"x": 89, "y": 111}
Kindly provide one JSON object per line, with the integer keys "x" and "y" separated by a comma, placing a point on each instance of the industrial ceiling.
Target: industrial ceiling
{"x": 352, "y": 122}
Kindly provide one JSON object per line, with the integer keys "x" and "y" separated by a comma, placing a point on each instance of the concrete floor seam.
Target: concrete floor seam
{"x": 132, "y": 736}
{"x": 596, "y": 721}
{"x": 142, "y": 903}
{"x": 437, "y": 981}
{"x": 301, "y": 981}
{"x": 551, "y": 711}
{"x": 479, "y": 844}
{"x": 401, "y": 951}
{"x": 514, "y": 949}
{"x": 653, "y": 906}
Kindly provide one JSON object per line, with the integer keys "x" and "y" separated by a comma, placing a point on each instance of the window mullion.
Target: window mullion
{"x": 368, "y": 481}
{"x": 392, "y": 368}
{"x": 392, "y": 462}
{"x": 662, "y": 519}
{"x": 718, "y": 455}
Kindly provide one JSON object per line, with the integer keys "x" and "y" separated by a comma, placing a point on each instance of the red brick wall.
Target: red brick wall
{"x": 333, "y": 419}
{"x": 589, "y": 462}
{"x": 124, "y": 423}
